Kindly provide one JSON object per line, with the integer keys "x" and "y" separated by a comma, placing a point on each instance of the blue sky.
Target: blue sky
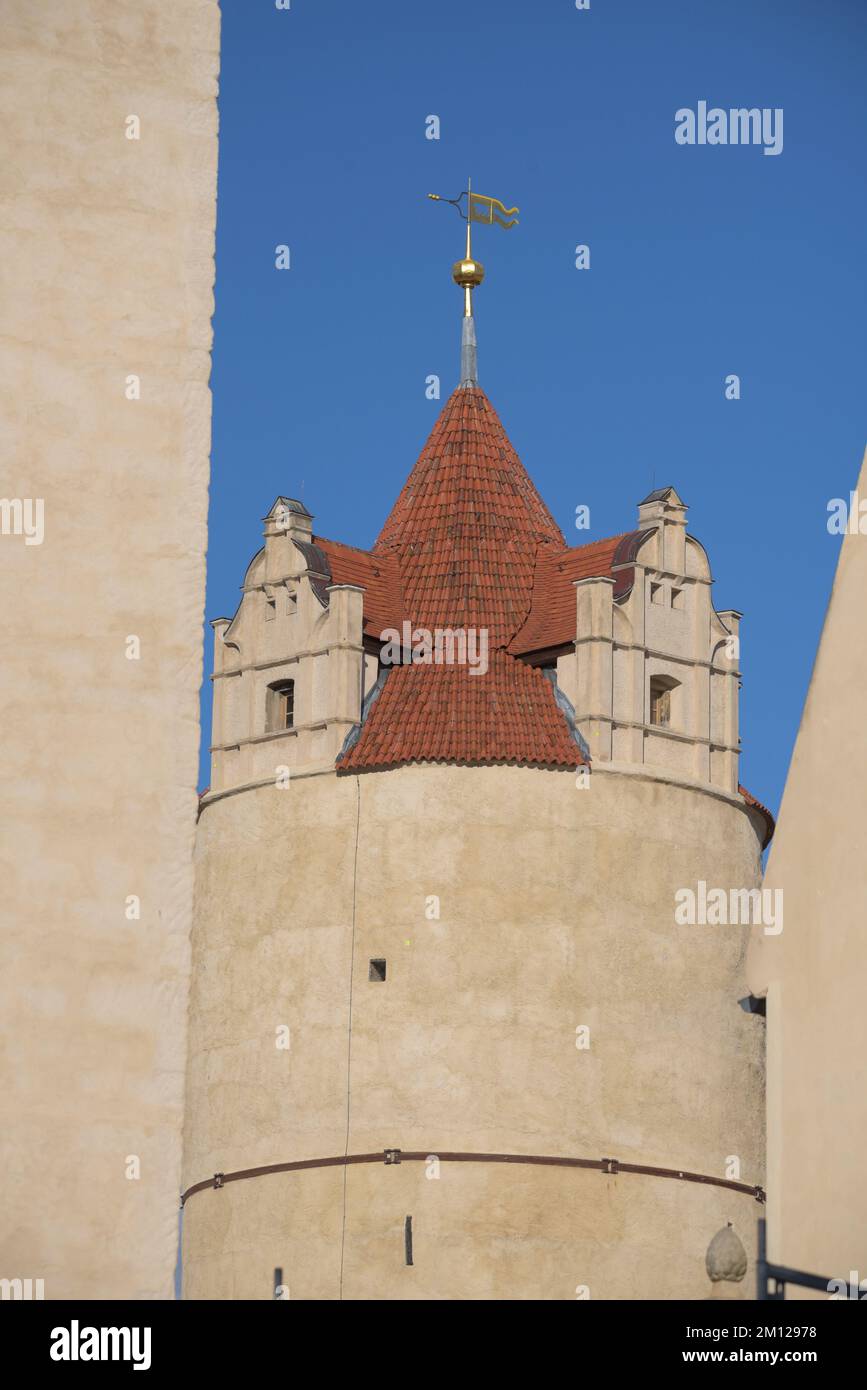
{"x": 705, "y": 261}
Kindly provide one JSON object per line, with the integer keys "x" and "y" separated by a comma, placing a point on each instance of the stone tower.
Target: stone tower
{"x": 447, "y": 1040}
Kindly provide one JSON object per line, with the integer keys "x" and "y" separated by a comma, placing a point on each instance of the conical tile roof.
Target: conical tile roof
{"x": 465, "y": 537}
{"x": 468, "y": 524}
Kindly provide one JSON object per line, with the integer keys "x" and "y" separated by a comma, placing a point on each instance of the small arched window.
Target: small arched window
{"x": 280, "y": 712}
{"x": 661, "y": 696}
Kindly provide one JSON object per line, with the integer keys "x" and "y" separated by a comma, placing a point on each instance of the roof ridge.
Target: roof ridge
{"x": 343, "y": 544}
{"x": 601, "y": 540}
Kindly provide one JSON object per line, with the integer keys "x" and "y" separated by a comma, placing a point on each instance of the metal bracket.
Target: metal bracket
{"x": 391, "y": 1156}
{"x": 772, "y": 1279}
{"x": 610, "y": 1165}
{"x": 218, "y": 1179}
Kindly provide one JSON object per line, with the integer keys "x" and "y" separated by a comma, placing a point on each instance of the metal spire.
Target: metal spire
{"x": 470, "y": 273}
{"x": 469, "y": 356}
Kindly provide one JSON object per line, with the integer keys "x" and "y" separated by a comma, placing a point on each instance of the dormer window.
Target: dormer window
{"x": 281, "y": 706}
{"x": 661, "y": 688}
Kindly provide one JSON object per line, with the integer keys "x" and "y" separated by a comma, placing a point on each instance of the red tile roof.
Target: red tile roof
{"x": 460, "y": 550}
{"x": 445, "y": 714}
{"x": 378, "y": 575}
{"x": 770, "y": 823}
{"x": 553, "y": 614}
{"x": 468, "y": 525}
{"x": 552, "y": 617}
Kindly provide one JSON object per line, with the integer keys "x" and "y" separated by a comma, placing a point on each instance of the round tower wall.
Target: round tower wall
{"x": 539, "y": 999}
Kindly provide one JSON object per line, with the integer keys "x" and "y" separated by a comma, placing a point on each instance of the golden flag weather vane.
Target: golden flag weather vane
{"x": 484, "y": 209}
{"x": 469, "y": 273}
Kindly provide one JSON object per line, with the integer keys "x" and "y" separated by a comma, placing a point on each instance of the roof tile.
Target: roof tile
{"x": 429, "y": 713}
{"x": 460, "y": 549}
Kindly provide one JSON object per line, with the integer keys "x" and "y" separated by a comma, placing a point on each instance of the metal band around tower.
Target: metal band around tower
{"x": 389, "y": 1157}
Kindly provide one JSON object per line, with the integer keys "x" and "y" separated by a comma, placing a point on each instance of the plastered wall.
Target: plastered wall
{"x": 106, "y": 279}
{"x": 555, "y": 912}
{"x": 813, "y": 972}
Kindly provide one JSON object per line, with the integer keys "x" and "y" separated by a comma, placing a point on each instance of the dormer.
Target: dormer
{"x": 289, "y": 667}
{"x": 653, "y": 671}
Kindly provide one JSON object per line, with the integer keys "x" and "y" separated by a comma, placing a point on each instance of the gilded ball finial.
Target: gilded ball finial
{"x": 468, "y": 273}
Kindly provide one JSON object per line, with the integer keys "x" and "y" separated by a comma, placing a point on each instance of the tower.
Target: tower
{"x": 447, "y": 1039}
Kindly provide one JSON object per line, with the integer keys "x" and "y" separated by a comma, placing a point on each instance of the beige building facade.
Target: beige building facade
{"x": 812, "y": 973}
{"x": 108, "y": 190}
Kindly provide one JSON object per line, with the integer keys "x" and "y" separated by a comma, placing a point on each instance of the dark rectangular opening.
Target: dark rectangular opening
{"x": 280, "y": 711}
{"x": 753, "y": 1004}
{"x": 407, "y": 1239}
{"x": 376, "y": 973}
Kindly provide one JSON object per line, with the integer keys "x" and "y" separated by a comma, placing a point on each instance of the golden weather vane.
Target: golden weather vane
{"x": 469, "y": 273}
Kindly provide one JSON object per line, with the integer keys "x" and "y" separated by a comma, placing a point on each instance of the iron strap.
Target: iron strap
{"x": 611, "y": 1166}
